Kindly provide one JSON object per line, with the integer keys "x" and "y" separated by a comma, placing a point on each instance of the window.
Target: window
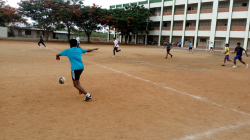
{"x": 27, "y": 32}
{"x": 244, "y": 4}
{"x": 188, "y": 24}
{"x": 189, "y": 8}
{"x": 203, "y": 40}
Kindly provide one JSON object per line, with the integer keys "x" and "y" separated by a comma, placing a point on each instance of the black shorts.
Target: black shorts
{"x": 168, "y": 50}
{"x": 76, "y": 74}
{"x": 190, "y": 48}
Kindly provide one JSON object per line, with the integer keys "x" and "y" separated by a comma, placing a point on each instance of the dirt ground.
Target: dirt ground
{"x": 138, "y": 95}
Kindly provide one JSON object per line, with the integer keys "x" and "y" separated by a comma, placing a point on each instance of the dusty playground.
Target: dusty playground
{"x": 137, "y": 95}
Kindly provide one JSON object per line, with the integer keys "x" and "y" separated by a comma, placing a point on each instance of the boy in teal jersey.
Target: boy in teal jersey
{"x": 74, "y": 54}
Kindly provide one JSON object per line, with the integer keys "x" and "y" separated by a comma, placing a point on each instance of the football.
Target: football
{"x": 61, "y": 80}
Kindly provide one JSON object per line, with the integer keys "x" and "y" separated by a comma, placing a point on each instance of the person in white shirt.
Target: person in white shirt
{"x": 116, "y": 46}
{"x": 211, "y": 46}
{"x": 78, "y": 41}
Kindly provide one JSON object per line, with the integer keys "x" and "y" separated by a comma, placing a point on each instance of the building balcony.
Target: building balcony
{"x": 205, "y": 28}
{"x": 156, "y": 28}
{"x": 179, "y": 13}
{"x": 190, "y": 28}
{"x": 221, "y": 28}
{"x": 223, "y": 10}
{"x": 178, "y": 28}
{"x": 156, "y": 14}
{"x": 167, "y": 13}
{"x": 192, "y": 12}
{"x": 238, "y": 28}
{"x": 166, "y": 28}
{"x": 206, "y": 10}
{"x": 235, "y": 9}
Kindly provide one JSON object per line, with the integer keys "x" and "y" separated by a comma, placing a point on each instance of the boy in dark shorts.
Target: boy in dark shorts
{"x": 169, "y": 47}
{"x": 74, "y": 54}
{"x": 239, "y": 51}
{"x": 41, "y": 41}
{"x": 190, "y": 47}
{"x": 226, "y": 56}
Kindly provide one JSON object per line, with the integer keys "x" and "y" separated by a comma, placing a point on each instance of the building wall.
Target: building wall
{"x": 3, "y": 32}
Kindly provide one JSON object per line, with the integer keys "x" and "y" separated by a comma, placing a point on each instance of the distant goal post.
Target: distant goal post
{"x": 217, "y": 44}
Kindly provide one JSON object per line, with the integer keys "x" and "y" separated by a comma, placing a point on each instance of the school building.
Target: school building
{"x": 198, "y": 21}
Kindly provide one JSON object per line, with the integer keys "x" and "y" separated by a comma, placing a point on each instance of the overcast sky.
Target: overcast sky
{"x": 103, "y": 3}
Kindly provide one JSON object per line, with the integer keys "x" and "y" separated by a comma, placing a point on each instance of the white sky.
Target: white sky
{"x": 103, "y": 3}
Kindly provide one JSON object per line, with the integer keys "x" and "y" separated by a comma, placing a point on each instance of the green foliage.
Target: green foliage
{"x": 9, "y": 16}
{"x": 93, "y": 34}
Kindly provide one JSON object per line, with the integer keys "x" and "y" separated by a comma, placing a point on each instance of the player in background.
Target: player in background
{"x": 190, "y": 47}
{"x": 75, "y": 57}
{"x": 227, "y": 55}
{"x": 41, "y": 41}
{"x": 238, "y": 51}
{"x": 78, "y": 41}
{"x": 116, "y": 46}
{"x": 169, "y": 47}
{"x": 211, "y": 46}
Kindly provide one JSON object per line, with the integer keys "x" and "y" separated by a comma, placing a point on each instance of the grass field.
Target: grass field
{"x": 137, "y": 95}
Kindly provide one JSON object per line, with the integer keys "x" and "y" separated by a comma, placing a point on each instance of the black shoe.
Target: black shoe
{"x": 171, "y": 56}
{"x": 223, "y": 65}
{"x": 166, "y": 57}
{"x": 88, "y": 98}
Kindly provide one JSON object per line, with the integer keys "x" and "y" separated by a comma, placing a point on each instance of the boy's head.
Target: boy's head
{"x": 76, "y": 35}
{"x": 72, "y": 43}
{"x": 238, "y": 44}
{"x": 168, "y": 41}
{"x": 114, "y": 38}
{"x": 226, "y": 45}
{"x": 190, "y": 42}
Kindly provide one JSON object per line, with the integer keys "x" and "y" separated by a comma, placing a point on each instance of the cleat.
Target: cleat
{"x": 166, "y": 57}
{"x": 234, "y": 66}
{"x": 171, "y": 56}
{"x": 223, "y": 65}
{"x": 114, "y": 56}
{"x": 88, "y": 98}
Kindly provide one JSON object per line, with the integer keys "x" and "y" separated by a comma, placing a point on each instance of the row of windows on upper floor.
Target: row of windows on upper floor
{"x": 239, "y": 5}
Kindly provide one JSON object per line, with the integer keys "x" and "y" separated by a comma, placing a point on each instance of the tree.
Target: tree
{"x": 9, "y": 16}
{"x": 89, "y": 21}
{"x": 130, "y": 20}
{"x": 66, "y": 15}
{"x": 41, "y": 12}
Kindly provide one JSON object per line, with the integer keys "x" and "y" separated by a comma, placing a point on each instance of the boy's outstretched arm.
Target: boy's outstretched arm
{"x": 90, "y": 50}
{"x": 246, "y": 52}
{"x": 58, "y": 56}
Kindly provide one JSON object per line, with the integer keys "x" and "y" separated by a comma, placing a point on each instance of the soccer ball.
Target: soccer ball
{"x": 61, "y": 80}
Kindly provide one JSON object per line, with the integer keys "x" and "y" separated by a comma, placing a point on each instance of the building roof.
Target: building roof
{"x": 62, "y": 32}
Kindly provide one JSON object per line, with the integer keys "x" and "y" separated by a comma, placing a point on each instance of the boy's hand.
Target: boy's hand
{"x": 57, "y": 58}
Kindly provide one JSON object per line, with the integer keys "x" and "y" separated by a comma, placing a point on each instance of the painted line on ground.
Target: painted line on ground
{"x": 210, "y": 132}
{"x": 169, "y": 88}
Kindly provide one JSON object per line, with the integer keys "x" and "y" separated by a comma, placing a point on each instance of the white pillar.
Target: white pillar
{"x": 160, "y": 33}
{"x": 214, "y": 20}
{"x": 197, "y": 24}
{"x": 172, "y": 22}
{"x": 184, "y": 25}
{"x": 229, "y": 21}
{"x": 247, "y": 29}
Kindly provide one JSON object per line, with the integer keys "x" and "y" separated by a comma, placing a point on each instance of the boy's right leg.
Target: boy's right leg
{"x": 114, "y": 50}
{"x": 78, "y": 86}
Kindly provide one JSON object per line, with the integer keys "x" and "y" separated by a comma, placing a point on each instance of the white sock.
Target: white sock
{"x": 88, "y": 95}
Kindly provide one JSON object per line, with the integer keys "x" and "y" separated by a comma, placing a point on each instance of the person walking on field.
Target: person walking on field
{"x": 226, "y": 56}
{"x": 116, "y": 46}
{"x": 238, "y": 51}
{"x": 41, "y": 41}
{"x": 211, "y": 46}
{"x": 169, "y": 47}
{"x": 190, "y": 47}
{"x": 75, "y": 57}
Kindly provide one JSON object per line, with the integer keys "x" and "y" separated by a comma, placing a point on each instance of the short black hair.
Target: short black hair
{"x": 114, "y": 38}
{"x": 73, "y": 42}
{"x": 238, "y": 43}
{"x": 227, "y": 44}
